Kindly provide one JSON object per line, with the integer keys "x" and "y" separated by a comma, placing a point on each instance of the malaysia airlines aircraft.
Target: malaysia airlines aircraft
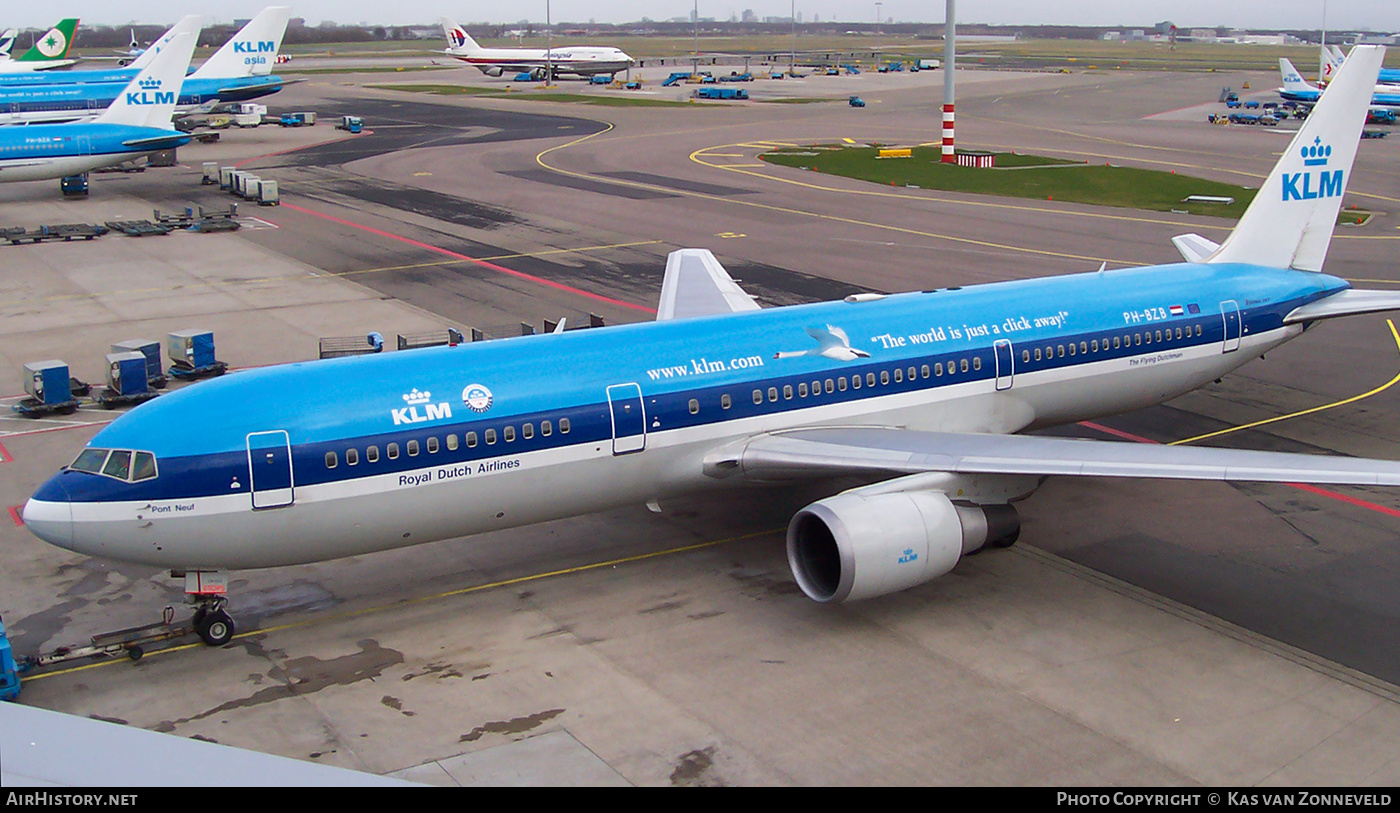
{"x": 580, "y": 60}
{"x": 48, "y": 51}
{"x": 239, "y": 71}
{"x": 1296, "y": 89}
{"x": 920, "y": 394}
{"x": 137, "y": 123}
{"x": 1332, "y": 59}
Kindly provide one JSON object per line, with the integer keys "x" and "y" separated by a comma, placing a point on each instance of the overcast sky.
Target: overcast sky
{"x": 1374, "y": 15}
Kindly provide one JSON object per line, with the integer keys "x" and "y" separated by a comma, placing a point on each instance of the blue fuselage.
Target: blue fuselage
{"x": 66, "y": 102}
{"x": 59, "y": 150}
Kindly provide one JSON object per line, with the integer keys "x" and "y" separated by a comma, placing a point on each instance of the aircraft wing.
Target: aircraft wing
{"x": 35, "y": 162}
{"x": 697, "y": 285}
{"x": 841, "y": 451}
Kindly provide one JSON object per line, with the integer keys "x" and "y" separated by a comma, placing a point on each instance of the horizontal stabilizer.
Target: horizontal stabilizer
{"x": 807, "y": 453}
{"x": 163, "y": 142}
{"x": 1194, "y": 247}
{"x": 1349, "y": 302}
{"x": 697, "y": 285}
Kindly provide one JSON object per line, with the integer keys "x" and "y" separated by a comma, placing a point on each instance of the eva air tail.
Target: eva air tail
{"x": 252, "y": 51}
{"x": 53, "y": 45}
{"x": 458, "y": 41}
{"x": 1290, "y": 221}
{"x": 149, "y": 100}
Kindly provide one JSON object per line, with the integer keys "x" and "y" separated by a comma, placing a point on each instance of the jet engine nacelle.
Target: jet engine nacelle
{"x": 855, "y": 545}
{"x": 493, "y": 71}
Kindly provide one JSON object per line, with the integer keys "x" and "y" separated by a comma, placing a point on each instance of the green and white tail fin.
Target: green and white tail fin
{"x": 53, "y": 45}
{"x": 7, "y": 41}
{"x": 1290, "y": 221}
{"x": 252, "y": 51}
{"x": 149, "y": 100}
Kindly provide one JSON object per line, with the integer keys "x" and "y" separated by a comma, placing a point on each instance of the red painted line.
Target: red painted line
{"x": 483, "y": 263}
{"x": 63, "y": 428}
{"x": 1311, "y": 489}
{"x": 4, "y": 454}
{"x": 15, "y": 515}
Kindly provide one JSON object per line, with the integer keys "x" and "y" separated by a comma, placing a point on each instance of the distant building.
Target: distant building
{"x": 749, "y": 16}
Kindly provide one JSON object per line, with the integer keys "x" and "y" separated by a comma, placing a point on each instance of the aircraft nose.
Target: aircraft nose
{"x": 49, "y": 514}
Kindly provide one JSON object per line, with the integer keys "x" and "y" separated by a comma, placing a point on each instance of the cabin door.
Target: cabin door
{"x": 270, "y": 469}
{"x": 1230, "y": 313}
{"x": 629, "y": 420}
{"x": 1005, "y": 366}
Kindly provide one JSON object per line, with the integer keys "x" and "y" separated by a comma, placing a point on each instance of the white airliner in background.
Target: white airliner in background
{"x": 920, "y": 394}
{"x": 580, "y": 60}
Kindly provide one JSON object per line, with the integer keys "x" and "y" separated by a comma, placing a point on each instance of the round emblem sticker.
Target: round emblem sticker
{"x": 53, "y": 44}
{"x": 476, "y": 397}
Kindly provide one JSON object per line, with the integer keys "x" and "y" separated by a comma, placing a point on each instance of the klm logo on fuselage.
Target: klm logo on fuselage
{"x": 1313, "y": 184}
{"x": 416, "y": 399}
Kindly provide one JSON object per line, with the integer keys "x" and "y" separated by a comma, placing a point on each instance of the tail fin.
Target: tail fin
{"x": 1292, "y": 80}
{"x": 1332, "y": 60}
{"x": 189, "y": 24}
{"x": 252, "y": 51}
{"x": 149, "y": 100}
{"x": 7, "y": 41}
{"x": 54, "y": 44}
{"x": 1290, "y": 221}
{"x": 458, "y": 40}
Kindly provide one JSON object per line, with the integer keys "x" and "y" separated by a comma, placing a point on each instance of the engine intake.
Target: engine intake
{"x": 855, "y": 546}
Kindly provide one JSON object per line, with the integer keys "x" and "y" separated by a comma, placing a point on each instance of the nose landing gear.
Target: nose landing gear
{"x": 207, "y": 590}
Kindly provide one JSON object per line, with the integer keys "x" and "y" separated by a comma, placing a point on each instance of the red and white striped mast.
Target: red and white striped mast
{"x": 949, "y": 34}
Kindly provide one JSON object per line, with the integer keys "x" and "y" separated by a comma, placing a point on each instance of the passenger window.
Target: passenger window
{"x": 963, "y": 365}
{"x": 1137, "y": 338}
{"x": 510, "y": 434}
{"x": 772, "y": 393}
{"x": 802, "y": 390}
{"x": 855, "y": 382}
{"x": 1071, "y": 348}
{"x": 725, "y": 402}
{"x": 1159, "y": 335}
{"x": 352, "y": 457}
{"x": 471, "y": 440}
{"x": 869, "y": 379}
{"x": 885, "y": 376}
{"x": 433, "y": 445}
{"x": 372, "y": 454}
{"x": 527, "y": 431}
{"x": 118, "y": 465}
{"x": 1037, "y": 354}
{"x": 830, "y": 386}
{"x": 546, "y": 428}
{"x": 144, "y": 466}
{"x": 910, "y": 373}
{"x": 1094, "y": 346}
{"x": 898, "y": 375}
{"x": 452, "y": 442}
{"x": 392, "y": 450}
{"x": 1117, "y": 343}
{"x": 758, "y": 396}
{"x": 787, "y": 392}
{"x": 925, "y": 371}
{"x": 841, "y": 383}
{"x": 412, "y": 448}
{"x": 1061, "y": 349}
{"x": 490, "y": 435}
{"x": 1025, "y": 357}
{"x": 331, "y": 461}
{"x": 563, "y": 426}
{"x": 1178, "y": 333}
{"x": 976, "y": 362}
{"x": 938, "y": 368}
{"x": 694, "y": 407}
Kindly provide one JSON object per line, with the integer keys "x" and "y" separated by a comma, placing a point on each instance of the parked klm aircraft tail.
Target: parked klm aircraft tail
{"x": 252, "y": 51}
{"x": 1294, "y": 85}
{"x": 458, "y": 40}
{"x": 149, "y": 101}
{"x": 191, "y": 23}
{"x": 1289, "y": 223}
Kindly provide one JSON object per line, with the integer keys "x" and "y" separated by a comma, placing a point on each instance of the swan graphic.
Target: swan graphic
{"x": 832, "y": 342}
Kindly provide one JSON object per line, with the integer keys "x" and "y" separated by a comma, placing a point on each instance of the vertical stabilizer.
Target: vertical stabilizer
{"x": 1293, "y": 82}
{"x": 7, "y": 41}
{"x": 54, "y": 44}
{"x": 458, "y": 41}
{"x": 189, "y": 24}
{"x": 149, "y": 100}
{"x": 252, "y": 51}
{"x": 1290, "y": 221}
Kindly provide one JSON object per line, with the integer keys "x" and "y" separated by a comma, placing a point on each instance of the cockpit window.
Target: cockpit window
{"x": 90, "y": 460}
{"x": 120, "y": 464}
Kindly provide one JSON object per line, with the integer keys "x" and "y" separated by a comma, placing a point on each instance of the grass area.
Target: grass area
{"x": 533, "y": 93}
{"x": 1024, "y": 176}
{"x": 317, "y": 71}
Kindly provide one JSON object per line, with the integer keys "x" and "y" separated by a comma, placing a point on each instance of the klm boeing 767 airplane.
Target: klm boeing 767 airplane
{"x": 920, "y": 395}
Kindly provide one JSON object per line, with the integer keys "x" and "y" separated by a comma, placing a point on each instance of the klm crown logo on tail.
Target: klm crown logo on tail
{"x": 1311, "y": 185}
{"x": 150, "y": 93}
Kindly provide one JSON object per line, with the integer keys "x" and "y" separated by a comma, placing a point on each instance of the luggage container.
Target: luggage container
{"x": 126, "y": 381}
{"x": 191, "y": 354}
{"x": 150, "y": 348}
{"x": 211, "y": 173}
{"x": 267, "y": 193}
{"x": 226, "y": 177}
{"x": 48, "y": 388}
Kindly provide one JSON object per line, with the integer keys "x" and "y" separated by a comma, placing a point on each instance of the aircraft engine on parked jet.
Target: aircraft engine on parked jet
{"x": 493, "y": 71}
{"x": 854, "y": 546}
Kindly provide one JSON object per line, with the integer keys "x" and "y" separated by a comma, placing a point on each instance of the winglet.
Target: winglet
{"x": 252, "y": 51}
{"x": 149, "y": 100}
{"x": 697, "y": 285}
{"x": 1290, "y": 221}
